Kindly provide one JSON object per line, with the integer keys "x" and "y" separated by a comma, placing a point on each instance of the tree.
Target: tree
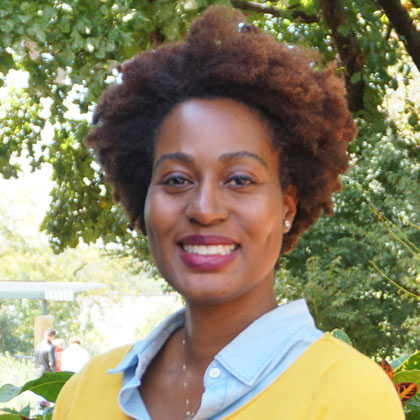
{"x": 25, "y": 256}
{"x": 71, "y": 50}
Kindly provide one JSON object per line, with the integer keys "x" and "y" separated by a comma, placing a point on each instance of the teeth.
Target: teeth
{"x": 208, "y": 249}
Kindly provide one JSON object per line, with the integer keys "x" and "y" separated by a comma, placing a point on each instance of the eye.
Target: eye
{"x": 241, "y": 180}
{"x": 176, "y": 180}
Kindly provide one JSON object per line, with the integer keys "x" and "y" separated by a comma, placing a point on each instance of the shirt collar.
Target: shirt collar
{"x": 145, "y": 350}
{"x": 270, "y": 336}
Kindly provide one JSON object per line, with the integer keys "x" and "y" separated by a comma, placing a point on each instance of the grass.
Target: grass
{"x": 17, "y": 371}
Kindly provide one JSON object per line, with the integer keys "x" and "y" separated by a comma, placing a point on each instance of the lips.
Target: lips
{"x": 207, "y": 252}
{"x": 207, "y": 240}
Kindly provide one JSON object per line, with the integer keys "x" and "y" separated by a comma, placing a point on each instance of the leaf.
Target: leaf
{"x": 406, "y": 390}
{"x": 9, "y": 391}
{"x": 48, "y": 385}
{"x": 413, "y": 362}
{"x": 343, "y": 29}
{"x": 395, "y": 364}
{"x": 388, "y": 369}
{"x": 394, "y": 83}
{"x": 341, "y": 335}
{"x": 48, "y": 413}
{"x": 10, "y": 417}
{"x": 355, "y": 78}
{"x": 26, "y": 411}
{"x": 413, "y": 119}
{"x": 22, "y": 414}
{"x": 7, "y": 25}
{"x": 414, "y": 404}
{"x": 413, "y": 415}
{"x": 408, "y": 376}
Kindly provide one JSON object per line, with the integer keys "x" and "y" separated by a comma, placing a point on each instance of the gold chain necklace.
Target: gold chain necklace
{"x": 189, "y": 414}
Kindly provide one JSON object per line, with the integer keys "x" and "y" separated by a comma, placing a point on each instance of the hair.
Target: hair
{"x": 223, "y": 57}
{"x": 75, "y": 340}
{"x": 49, "y": 332}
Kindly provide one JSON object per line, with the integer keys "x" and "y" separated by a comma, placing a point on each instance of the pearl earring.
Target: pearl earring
{"x": 287, "y": 223}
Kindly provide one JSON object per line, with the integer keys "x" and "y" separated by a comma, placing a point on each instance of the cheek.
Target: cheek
{"x": 152, "y": 222}
{"x": 160, "y": 216}
{"x": 154, "y": 213}
{"x": 267, "y": 225}
{"x": 147, "y": 214}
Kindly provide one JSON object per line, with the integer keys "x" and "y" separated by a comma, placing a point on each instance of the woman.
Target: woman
{"x": 223, "y": 149}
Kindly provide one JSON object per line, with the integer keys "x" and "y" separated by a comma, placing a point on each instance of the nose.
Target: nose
{"x": 207, "y": 205}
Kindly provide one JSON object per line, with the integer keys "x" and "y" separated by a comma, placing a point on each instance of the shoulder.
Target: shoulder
{"x": 336, "y": 358}
{"x": 99, "y": 365}
{"x": 342, "y": 358}
{"x": 329, "y": 381}
{"x": 92, "y": 387}
{"x": 352, "y": 381}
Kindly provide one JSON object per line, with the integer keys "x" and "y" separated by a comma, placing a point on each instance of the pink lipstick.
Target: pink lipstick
{"x": 207, "y": 252}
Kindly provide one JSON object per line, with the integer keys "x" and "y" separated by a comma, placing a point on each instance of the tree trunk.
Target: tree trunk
{"x": 349, "y": 52}
{"x": 400, "y": 20}
{"x": 274, "y": 11}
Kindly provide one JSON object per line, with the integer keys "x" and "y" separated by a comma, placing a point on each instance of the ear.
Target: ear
{"x": 290, "y": 200}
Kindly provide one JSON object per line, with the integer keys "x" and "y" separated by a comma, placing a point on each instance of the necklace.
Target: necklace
{"x": 189, "y": 414}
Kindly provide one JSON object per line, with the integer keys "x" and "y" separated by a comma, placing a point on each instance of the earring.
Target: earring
{"x": 287, "y": 223}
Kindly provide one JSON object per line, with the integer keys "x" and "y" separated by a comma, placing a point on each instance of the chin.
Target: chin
{"x": 194, "y": 292}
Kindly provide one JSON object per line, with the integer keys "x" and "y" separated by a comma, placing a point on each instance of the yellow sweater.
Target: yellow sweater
{"x": 330, "y": 381}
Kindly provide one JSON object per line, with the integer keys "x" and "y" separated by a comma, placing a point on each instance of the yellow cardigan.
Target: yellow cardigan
{"x": 330, "y": 381}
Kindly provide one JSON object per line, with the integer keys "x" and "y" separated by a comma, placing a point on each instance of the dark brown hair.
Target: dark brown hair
{"x": 224, "y": 57}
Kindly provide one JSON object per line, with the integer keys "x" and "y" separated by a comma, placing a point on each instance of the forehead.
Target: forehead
{"x": 213, "y": 127}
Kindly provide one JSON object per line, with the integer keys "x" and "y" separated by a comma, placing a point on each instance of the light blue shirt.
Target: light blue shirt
{"x": 242, "y": 369}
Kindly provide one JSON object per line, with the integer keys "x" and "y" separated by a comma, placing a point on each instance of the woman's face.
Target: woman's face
{"x": 215, "y": 209}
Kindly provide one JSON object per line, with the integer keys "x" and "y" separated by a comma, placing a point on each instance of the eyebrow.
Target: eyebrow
{"x": 226, "y": 157}
{"x": 180, "y": 157}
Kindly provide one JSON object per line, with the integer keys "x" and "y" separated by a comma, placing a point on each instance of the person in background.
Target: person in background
{"x": 59, "y": 347}
{"x": 45, "y": 360}
{"x": 74, "y": 357}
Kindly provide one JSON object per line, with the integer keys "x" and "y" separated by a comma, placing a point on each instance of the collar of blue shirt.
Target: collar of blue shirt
{"x": 268, "y": 337}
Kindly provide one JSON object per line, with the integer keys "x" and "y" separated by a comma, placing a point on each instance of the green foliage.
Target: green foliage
{"x": 409, "y": 371}
{"x": 341, "y": 335}
{"x": 27, "y": 258}
{"x": 47, "y": 386}
{"x": 339, "y": 280}
{"x": 17, "y": 371}
{"x": 411, "y": 363}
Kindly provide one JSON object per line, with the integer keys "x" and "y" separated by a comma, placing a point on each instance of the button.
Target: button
{"x": 214, "y": 373}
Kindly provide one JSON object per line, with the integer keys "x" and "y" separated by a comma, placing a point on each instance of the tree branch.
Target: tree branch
{"x": 406, "y": 30}
{"x": 349, "y": 51}
{"x": 274, "y": 11}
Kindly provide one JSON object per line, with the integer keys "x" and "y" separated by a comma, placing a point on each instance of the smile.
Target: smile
{"x": 207, "y": 252}
{"x": 208, "y": 249}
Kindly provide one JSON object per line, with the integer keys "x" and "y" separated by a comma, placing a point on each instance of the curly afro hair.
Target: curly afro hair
{"x": 224, "y": 57}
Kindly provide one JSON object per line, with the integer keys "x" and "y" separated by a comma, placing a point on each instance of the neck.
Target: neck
{"x": 209, "y": 328}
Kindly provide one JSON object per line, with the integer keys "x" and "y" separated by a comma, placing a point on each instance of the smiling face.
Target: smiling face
{"x": 215, "y": 210}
